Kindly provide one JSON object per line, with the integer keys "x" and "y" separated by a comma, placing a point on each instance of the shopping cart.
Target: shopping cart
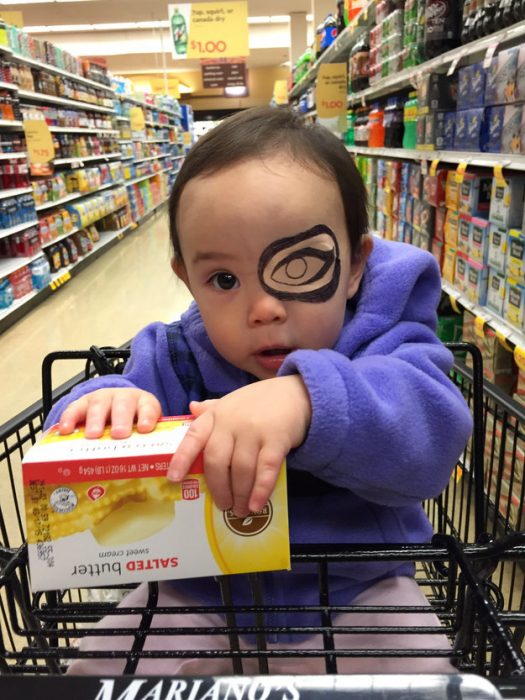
{"x": 470, "y": 573}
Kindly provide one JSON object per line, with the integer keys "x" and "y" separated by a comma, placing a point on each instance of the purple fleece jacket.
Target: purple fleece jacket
{"x": 387, "y": 423}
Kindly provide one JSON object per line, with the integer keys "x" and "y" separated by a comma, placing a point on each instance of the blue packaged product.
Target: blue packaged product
{"x": 449, "y": 131}
{"x": 469, "y": 124}
{"x": 493, "y": 129}
{"x": 471, "y": 86}
{"x": 40, "y": 273}
{"x": 6, "y": 294}
{"x": 500, "y": 86}
{"x": 329, "y": 32}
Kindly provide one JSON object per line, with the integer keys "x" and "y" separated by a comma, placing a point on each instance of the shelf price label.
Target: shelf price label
{"x": 40, "y": 146}
{"x": 519, "y": 357}
{"x": 209, "y": 29}
{"x": 280, "y": 92}
{"x": 460, "y": 171}
{"x": 498, "y": 175}
{"x": 59, "y": 281}
{"x": 331, "y": 89}
{"x": 434, "y": 167}
{"x": 479, "y": 326}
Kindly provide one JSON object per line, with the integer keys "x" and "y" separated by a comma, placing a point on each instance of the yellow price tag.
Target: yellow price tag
{"x": 434, "y": 167}
{"x": 136, "y": 116}
{"x": 120, "y": 236}
{"x": 55, "y": 284}
{"x": 454, "y": 303}
{"x": 503, "y": 340}
{"x": 280, "y": 92}
{"x": 498, "y": 175}
{"x": 479, "y": 326}
{"x": 186, "y": 138}
{"x": 519, "y": 357}
{"x": 459, "y": 473}
{"x": 39, "y": 141}
{"x": 331, "y": 90}
{"x": 215, "y": 30}
{"x": 460, "y": 171}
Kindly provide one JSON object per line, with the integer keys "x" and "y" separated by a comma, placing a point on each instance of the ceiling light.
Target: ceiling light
{"x": 236, "y": 91}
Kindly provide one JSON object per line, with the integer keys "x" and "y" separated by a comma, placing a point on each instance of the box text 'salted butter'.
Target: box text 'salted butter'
{"x": 102, "y": 512}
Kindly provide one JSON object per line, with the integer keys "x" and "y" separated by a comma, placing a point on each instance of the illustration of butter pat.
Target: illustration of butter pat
{"x": 102, "y": 512}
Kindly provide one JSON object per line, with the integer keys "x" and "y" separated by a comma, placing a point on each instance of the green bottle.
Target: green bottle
{"x": 178, "y": 30}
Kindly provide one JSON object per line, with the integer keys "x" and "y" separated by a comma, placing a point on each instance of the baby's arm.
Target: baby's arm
{"x": 244, "y": 437}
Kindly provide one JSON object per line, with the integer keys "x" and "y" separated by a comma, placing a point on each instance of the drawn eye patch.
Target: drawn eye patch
{"x": 304, "y": 267}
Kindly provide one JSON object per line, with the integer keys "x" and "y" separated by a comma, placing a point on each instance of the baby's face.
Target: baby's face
{"x": 267, "y": 259}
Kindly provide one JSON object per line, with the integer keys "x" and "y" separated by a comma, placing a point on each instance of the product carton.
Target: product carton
{"x": 502, "y": 129}
{"x": 448, "y": 271}
{"x": 500, "y": 84}
{"x": 461, "y": 277}
{"x": 434, "y": 188}
{"x": 479, "y": 240}
{"x": 497, "y": 255}
{"x": 102, "y": 512}
{"x": 507, "y": 197}
{"x": 514, "y": 305}
{"x": 516, "y": 256}
{"x": 452, "y": 191}
{"x": 471, "y": 86}
{"x": 474, "y": 195}
{"x": 439, "y": 223}
{"x": 478, "y": 276}
{"x": 496, "y": 291}
{"x": 464, "y": 234}
{"x": 438, "y": 251}
{"x": 452, "y": 227}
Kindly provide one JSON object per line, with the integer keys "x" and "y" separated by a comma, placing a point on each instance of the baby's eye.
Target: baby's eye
{"x": 224, "y": 281}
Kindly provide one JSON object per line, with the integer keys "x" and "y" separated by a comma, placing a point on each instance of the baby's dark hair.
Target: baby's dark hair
{"x": 260, "y": 131}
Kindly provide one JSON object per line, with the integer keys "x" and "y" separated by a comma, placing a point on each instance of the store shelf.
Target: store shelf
{"x": 54, "y": 69}
{"x": 85, "y": 159}
{"x": 9, "y": 265}
{"x": 4, "y": 194}
{"x": 82, "y": 130}
{"x": 13, "y": 156}
{"x": 64, "y": 274}
{"x": 53, "y": 99}
{"x": 121, "y": 118}
{"x": 486, "y": 160}
{"x": 76, "y": 195}
{"x": 157, "y": 157}
{"x": 16, "y": 229}
{"x": 8, "y": 86}
{"x": 145, "y": 177}
{"x": 10, "y": 124}
{"x": 449, "y": 60}
{"x": 508, "y": 332}
{"x": 339, "y": 50}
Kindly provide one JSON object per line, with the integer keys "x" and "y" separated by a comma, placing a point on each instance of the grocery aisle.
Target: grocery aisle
{"x": 106, "y": 304}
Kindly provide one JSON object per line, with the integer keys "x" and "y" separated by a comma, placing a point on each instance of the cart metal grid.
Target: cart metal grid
{"x": 461, "y": 571}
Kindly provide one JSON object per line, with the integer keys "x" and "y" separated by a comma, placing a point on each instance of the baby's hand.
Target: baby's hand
{"x": 245, "y": 436}
{"x": 119, "y": 407}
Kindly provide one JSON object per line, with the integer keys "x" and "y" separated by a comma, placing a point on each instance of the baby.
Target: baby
{"x": 307, "y": 340}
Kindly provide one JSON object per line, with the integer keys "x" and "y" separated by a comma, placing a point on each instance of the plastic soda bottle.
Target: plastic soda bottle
{"x": 178, "y": 30}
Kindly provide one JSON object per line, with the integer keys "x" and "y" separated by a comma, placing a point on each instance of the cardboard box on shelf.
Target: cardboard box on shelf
{"x": 477, "y": 282}
{"x": 496, "y": 291}
{"x": 507, "y": 201}
{"x": 514, "y": 305}
{"x": 515, "y": 263}
{"x": 497, "y": 255}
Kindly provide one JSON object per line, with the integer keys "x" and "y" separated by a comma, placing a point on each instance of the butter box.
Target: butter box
{"x": 102, "y": 512}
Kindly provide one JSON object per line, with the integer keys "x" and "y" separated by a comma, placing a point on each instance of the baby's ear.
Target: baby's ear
{"x": 358, "y": 264}
{"x": 178, "y": 267}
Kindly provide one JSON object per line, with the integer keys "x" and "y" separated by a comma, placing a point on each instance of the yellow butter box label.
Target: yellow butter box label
{"x": 102, "y": 512}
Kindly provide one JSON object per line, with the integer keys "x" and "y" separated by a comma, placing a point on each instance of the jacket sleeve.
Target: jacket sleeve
{"x": 149, "y": 368}
{"x": 387, "y": 422}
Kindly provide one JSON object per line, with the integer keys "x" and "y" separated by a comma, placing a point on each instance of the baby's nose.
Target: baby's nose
{"x": 264, "y": 309}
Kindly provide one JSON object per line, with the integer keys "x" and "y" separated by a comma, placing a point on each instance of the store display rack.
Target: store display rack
{"x": 113, "y": 105}
{"x": 21, "y": 306}
{"x": 339, "y": 50}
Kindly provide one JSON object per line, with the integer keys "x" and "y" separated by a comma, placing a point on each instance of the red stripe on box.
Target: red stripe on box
{"x": 82, "y": 470}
